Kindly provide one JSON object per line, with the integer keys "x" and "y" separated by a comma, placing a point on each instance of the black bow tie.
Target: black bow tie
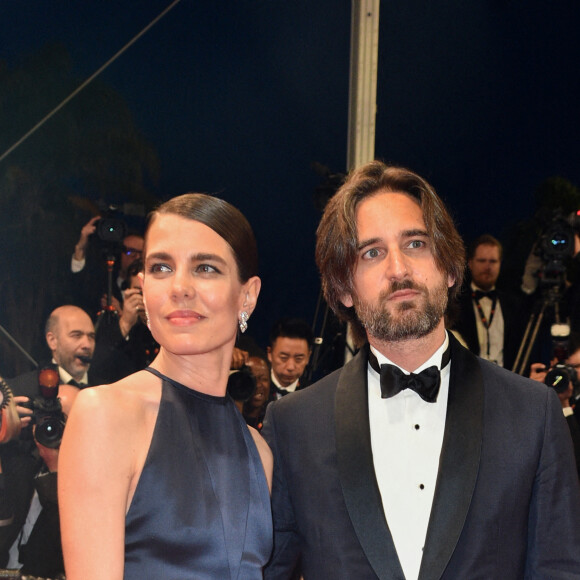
{"x": 77, "y": 384}
{"x": 426, "y": 383}
{"x": 479, "y": 294}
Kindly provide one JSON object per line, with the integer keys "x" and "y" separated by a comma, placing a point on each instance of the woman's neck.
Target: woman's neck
{"x": 206, "y": 373}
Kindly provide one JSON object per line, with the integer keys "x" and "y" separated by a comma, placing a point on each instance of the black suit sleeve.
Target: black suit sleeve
{"x": 575, "y": 433}
{"x": 286, "y": 552}
{"x": 554, "y": 530}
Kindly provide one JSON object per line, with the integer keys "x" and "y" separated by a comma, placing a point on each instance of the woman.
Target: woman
{"x": 159, "y": 475}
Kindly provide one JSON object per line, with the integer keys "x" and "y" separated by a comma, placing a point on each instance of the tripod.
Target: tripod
{"x": 550, "y": 300}
{"x": 108, "y": 313}
{"x": 327, "y": 355}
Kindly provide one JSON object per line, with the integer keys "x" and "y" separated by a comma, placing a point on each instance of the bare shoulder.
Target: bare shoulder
{"x": 121, "y": 413}
{"x": 131, "y": 395}
{"x": 116, "y": 423}
{"x": 265, "y": 455}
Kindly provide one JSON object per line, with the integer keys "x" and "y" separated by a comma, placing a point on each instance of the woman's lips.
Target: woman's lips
{"x": 184, "y": 317}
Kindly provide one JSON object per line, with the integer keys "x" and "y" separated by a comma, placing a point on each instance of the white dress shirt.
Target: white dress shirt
{"x": 289, "y": 389}
{"x": 406, "y": 440}
{"x": 496, "y": 329}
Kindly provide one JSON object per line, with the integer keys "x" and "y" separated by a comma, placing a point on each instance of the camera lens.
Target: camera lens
{"x": 49, "y": 432}
{"x": 558, "y": 378}
{"x": 559, "y": 242}
{"x": 111, "y": 230}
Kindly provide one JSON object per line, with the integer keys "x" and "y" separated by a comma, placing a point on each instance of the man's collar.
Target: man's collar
{"x": 290, "y": 388}
{"x": 66, "y": 377}
{"x": 433, "y": 360}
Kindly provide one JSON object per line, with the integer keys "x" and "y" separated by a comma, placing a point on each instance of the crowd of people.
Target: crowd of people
{"x": 191, "y": 451}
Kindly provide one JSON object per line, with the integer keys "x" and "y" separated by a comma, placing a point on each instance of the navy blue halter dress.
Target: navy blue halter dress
{"x": 201, "y": 509}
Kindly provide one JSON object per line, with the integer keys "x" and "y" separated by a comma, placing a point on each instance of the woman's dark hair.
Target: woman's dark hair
{"x": 224, "y": 219}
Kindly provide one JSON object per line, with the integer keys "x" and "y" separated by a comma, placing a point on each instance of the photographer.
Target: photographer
{"x": 89, "y": 271}
{"x": 29, "y": 464}
{"x": 124, "y": 345}
{"x": 564, "y": 376}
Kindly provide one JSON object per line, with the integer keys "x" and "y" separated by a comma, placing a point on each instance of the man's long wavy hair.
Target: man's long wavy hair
{"x": 337, "y": 238}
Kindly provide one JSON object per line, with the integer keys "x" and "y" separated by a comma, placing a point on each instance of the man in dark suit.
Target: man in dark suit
{"x": 489, "y": 320}
{"x": 291, "y": 341}
{"x": 417, "y": 460}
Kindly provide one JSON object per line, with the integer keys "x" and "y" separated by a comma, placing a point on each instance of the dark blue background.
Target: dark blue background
{"x": 239, "y": 98}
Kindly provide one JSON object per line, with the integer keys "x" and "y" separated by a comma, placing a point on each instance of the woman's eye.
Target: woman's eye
{"x": 206, "y": 269}
{"x": 159, "y": 268}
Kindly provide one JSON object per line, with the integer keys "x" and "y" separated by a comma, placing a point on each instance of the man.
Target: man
{"x": 32, "y": 540}
{"x": 289, "y": 352}
{"x": 90, "y": 282}
{"x": 452, "y": 481}
{"x": 70, "y": 336}
{"x": 489, "y": 320}
{"x": 124, "y": 344}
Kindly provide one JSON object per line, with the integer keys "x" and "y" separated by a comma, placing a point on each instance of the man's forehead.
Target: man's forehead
{"x": 486, "y": 250}
{"x": 134, "y": 241}
{"x": 385, "y": 204}
{"x": 290, "y": 344}
{"x": 76, "y": 323}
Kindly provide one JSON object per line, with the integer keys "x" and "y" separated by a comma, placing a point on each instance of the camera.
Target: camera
{"x": 111, "y": 229}
{"x": 241, "y": 384}
{"x": 47, "y": 412}
{"x": 561, "y": 375}
{"x": 555, "y": 247}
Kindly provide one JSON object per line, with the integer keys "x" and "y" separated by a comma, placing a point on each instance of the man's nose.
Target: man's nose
{"x": 396, "y": 264}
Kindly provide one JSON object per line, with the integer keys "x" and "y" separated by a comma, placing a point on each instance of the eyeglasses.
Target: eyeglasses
{"x": 132, "y": 251}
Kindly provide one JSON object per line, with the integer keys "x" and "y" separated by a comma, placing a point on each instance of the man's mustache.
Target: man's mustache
{"x": 398, "y": 285}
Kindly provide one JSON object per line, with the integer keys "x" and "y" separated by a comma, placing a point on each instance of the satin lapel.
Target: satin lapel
{"x": 459, "y": 462}
{"x": 356, "y": 470}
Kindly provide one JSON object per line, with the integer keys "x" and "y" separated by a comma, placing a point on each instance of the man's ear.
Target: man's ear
{"x": 346, "y": 300}
{"x": 450, "y": 281}
{"x": 51, "y": 340}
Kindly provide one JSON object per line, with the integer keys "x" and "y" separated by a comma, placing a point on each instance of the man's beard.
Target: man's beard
{"x": 411, "y": 319}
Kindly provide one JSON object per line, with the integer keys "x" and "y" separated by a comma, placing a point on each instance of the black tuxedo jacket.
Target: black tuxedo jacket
{"x": 507, "y": 500}
{"x": 514, "y": 316}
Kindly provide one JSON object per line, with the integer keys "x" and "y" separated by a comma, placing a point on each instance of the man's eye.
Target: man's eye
{"x": 416, "y": 244}
{"x": 372, "y": 253}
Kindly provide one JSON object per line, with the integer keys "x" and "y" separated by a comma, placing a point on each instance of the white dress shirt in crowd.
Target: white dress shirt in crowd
{"x": 496, "y": 329}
